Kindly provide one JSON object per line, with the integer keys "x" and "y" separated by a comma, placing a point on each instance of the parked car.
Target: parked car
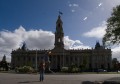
{"x": 102, "y": 70}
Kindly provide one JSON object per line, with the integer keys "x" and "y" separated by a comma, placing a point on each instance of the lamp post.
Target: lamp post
{"x": 48, "y": 53}
{"x": 36, "y": 60}
{"x": 63, "y": 57}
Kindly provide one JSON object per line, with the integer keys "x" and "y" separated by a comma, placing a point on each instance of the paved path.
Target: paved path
{"x": 8, "y": 78}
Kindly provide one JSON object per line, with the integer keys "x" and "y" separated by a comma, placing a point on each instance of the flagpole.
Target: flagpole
{"x": 63, "y": 57}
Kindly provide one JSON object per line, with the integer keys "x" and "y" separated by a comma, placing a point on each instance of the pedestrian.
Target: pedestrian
{"x": 42, "y": 70}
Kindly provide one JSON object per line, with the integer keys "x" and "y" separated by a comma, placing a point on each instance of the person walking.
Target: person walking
{"x": 42, "y": 70}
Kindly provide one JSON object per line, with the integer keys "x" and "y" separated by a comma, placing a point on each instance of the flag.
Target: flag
{"x": 60, "y": 13}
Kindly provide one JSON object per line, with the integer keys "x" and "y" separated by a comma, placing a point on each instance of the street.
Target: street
{"x": 12, "y": 78}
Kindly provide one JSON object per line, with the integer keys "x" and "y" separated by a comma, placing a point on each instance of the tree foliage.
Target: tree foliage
{"x": 4, "y": 64}
{"x": 4, "y": 58}
{"x": 115, "y": 64}
{"x": 113, "y": 27}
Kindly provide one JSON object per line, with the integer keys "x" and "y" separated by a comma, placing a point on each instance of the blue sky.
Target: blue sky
{"x": 34, "y": 20}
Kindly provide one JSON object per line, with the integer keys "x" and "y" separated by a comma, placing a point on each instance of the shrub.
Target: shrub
{"x": 64, "y": 69}
{"x": 73, "y": 69}
{"x": 25, "y": 69}
{"x": 70, "y": 69}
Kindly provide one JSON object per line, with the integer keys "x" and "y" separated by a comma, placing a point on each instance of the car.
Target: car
{"x": 102, "y": 70}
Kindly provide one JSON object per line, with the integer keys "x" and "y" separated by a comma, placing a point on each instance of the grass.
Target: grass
{"x": 100, "y": 72}
{"x": 72, "y": 73}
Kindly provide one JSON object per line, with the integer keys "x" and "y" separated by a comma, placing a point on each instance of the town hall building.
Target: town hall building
{"x": 96, "y": 58}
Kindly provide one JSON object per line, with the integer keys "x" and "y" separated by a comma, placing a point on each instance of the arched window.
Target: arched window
{"x": 58, "y": 25}
{"x": 59, "y": 40}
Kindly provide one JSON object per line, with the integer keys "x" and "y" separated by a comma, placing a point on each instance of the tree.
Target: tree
{"x": 4, "y": 63}
{"x": 4, "y": 58}
{"x": 115, "y": 64}
{"x": 112, "y": 35}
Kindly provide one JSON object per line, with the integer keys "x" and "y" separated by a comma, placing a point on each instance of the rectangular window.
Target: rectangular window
{"x": 29, "y": 58}
{"x": 18, "y": 58}
{"x": 33, "y": 59}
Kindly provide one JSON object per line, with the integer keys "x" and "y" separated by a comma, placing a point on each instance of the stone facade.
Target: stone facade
{"x": 96, "y": 58}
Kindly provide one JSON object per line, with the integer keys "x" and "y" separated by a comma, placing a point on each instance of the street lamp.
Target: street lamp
{"x": 49, "y": 53}
{"x": 48, "y": 61}
{"x": 36, "y": 61}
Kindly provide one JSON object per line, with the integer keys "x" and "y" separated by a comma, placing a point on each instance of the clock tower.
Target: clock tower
{"x": 59, "y": 34}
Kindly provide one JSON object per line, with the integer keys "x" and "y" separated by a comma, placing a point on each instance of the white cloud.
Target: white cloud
{"x": 70, "y": 5}
{"x": 97, "y": 32}
{"x": 116, "y": 52}
{"x": 74, "y": 44}
{"x": 85, "y": 18}
{"x": 35, "y": 39}
{"x": 39, "y": 39}
{"x": 100, "y": 4}
{"x": 73, "y": 10}
{"x": 113, "y": 3}
{"x": 73, "y": 5}
{"x": 80, "y": 47}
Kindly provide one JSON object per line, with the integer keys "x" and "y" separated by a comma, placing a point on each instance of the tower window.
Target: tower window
{"x": 58, "y": 25}
{"x": 59, "y": 40}
{"x": 18, "y": 59}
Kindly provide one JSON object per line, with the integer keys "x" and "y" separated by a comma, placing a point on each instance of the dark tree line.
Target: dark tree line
{"x": 4, "y": 64}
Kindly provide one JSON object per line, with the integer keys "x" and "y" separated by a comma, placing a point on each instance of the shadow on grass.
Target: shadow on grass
{"x": 87, "y": 82}
{"x": 28, "y": 81}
